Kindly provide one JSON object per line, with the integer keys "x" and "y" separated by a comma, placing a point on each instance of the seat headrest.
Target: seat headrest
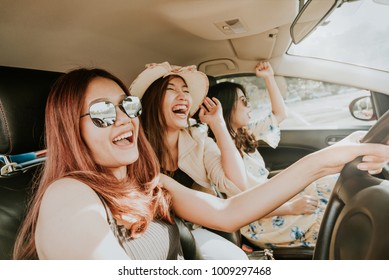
{"x": 212, "y": 80}
{"x": 23, "y": 94}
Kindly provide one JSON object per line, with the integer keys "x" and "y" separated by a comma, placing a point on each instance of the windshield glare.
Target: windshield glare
{"x": 356, "y": 33}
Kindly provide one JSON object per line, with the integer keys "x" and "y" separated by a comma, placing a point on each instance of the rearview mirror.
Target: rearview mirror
{"x": 311, "y": 15}
{"x": 361, "y": 108}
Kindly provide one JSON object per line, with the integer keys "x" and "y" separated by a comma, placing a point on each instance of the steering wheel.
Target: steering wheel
{"x": 379, "y": 133}
{"x": 355, "y": 224}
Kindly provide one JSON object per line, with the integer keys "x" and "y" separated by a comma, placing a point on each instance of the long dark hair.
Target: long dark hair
{"x": 226, "y": 93}
{"x": 154, "y": 122}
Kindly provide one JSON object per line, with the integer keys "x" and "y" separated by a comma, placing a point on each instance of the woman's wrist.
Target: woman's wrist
{"x": 217, "y": 126}
{"x": 312, "y": 168}
{"x": 287, "y": 208}
{"x": 317, "y": 165}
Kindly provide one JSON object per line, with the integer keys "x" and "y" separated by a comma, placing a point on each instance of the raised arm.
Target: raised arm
{"x": 237, "y": 211}
{"x": 211, "y": 113}
{"x": 265, "y": 71}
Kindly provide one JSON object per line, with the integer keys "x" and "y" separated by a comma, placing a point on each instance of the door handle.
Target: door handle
{"x": 331, "y": 140}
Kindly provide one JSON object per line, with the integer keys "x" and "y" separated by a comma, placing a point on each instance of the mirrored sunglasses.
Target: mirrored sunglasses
{"x": 103, "y": 113}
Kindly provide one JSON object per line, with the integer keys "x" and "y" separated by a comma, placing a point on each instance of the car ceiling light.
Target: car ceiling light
{"x": 232, "y": 26}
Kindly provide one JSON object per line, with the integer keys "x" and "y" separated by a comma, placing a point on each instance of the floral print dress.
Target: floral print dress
{"x": 288, "y": 230}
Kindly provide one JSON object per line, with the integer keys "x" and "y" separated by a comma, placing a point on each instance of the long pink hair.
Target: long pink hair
{"x": 134, "y": 202}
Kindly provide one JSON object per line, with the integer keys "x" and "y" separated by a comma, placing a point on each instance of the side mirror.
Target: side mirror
{"x": 311, "y": 15}
{"x": 361, "y": 108}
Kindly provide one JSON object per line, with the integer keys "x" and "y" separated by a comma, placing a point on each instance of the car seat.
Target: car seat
{"x": 23, "y": 95}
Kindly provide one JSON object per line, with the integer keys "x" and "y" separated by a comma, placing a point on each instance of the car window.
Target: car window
{"x": 309, "y": 103}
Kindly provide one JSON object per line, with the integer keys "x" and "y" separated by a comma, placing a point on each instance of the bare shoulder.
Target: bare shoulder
{"x": 72, "y": 223}
{"x": 69, "y": 195}
{"x": 67, "y": 188}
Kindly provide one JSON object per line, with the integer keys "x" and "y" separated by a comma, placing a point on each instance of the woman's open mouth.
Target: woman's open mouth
{"x": 124, "y": 139}
{"x": 180, "y": 110}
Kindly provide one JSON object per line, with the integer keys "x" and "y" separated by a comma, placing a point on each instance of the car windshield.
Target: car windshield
{"x": 357, "y": 33}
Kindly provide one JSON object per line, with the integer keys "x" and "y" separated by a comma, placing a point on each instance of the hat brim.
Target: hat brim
{"x": 196, "y": 81}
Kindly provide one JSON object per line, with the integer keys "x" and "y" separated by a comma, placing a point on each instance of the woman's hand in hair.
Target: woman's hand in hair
{"x": 211, "y": 112}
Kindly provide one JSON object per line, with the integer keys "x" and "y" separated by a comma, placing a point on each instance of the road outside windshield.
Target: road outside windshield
{"x": 309, "y": 104}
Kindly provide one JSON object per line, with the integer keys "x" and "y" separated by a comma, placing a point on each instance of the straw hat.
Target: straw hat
{"x": 196, "y": 81}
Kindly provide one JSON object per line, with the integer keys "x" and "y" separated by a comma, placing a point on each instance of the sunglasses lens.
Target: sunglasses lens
{"x": 103, "y": 114}
{"x": 132, "y": 106}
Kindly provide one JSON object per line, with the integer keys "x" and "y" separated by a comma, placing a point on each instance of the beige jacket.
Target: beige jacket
{"x": 200, "y": 158}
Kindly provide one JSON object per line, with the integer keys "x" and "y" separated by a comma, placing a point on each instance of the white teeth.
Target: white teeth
{"x": 123, "y": 136}
{"x": 180, "y": 107}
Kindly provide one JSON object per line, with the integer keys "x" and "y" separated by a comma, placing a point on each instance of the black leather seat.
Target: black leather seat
{"x": 22, "y": 103}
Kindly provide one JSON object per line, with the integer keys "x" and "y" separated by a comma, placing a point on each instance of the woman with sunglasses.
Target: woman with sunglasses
{"x": 101, "y": 195}
{"x": 296, "y": 222}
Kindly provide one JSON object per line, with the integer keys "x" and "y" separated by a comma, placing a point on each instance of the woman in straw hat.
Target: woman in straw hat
{"x": 106, "y": 199}
{"x": 170, "y": 95}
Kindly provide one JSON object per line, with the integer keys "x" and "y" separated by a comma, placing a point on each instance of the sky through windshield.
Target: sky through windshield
{"x": 357, "y": 33}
